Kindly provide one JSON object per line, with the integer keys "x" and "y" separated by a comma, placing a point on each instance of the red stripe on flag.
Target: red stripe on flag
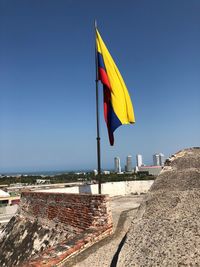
{"x": 107, "y": 98}
{"x": 107, "y": 110}
{"x": 104, "y": 78}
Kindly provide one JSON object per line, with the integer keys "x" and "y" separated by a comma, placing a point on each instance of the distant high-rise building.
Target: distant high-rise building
{"x": 158, "y": 159}
{"x": 139, "y": 160}
{"x": 162, "y": 159}
{"x": 117, "y": 165}
{"x": 129, "y": 163}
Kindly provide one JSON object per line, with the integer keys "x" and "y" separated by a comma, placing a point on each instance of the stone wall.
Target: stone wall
{"x": 51, "y": 227}
{"x": 167, "y": 228}
{"x": 80, "y": 211}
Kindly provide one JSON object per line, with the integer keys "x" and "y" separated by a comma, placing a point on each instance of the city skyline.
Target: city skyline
{"x": 138, "y": 162}
{"x": 47, "y": 103}
{"x": 118, "y": 167}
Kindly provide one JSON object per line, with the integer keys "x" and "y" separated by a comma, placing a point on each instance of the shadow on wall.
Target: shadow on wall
{"x": 115, "y": 258}
{"x": 85, "y": 189}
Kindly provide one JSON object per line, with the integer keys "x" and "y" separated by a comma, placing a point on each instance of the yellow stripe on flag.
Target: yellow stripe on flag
{"x": 120, "y": 98}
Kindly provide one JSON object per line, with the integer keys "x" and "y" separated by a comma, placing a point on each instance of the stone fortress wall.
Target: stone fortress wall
{"x": 80, "y": 211}
{"x": 167, "y": 229}
{"x": 50, "y": 227}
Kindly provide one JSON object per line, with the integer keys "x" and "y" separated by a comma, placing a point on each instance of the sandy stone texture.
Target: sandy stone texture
{"x": 166, "y": 230}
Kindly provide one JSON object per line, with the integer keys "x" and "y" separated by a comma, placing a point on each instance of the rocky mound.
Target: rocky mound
{"x": 167, "y": 230}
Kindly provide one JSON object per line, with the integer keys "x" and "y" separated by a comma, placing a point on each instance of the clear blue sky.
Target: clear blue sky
{"x": 47, "y": 73}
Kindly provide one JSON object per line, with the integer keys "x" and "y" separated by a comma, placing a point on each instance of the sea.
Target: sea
{"x": 43, "y": 173}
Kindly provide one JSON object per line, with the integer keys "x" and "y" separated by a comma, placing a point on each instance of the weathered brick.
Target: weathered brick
{"x": 81, "y": 211}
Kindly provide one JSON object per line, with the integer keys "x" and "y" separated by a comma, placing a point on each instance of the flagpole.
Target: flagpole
{"x": 97, "y": 117}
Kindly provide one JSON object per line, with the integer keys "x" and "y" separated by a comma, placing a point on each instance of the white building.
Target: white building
{"x": 153, "y": 170}
{"x": 139, "y": 160}
{"x": 95, "y": 172}
{"x": 162, "y": 159}
{"x": 158, "y": 159}
{"x": 4, "y": 194}
{"x": 43, "y": 181}
{"x": 129, "y": 164}
{"x": 117, "y": 165}
{"x": 106, "y": 172}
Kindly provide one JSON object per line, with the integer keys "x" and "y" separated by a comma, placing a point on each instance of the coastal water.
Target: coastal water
{"x": 45, "y": 173}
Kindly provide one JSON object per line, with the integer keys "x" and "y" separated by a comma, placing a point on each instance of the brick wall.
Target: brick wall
{"x": 82, "y": 211}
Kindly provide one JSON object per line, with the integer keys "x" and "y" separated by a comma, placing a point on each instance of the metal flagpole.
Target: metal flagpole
{"x": 97, "y": 116}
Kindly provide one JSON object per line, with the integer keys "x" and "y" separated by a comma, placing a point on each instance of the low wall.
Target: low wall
{"x": 7, "y": 210}
{"x": 6, "y": 213}
{"x": 138, "y": 187}
{"x": 112, "y": 188}
{"x": 51, "y": 227}
{"x": 80, "y": 211}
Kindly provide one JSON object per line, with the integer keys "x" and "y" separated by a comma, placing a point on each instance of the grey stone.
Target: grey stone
{"x": 166, "y": 232}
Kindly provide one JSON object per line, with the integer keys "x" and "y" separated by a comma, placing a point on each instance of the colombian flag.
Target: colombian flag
{"x": 118, "y": 108}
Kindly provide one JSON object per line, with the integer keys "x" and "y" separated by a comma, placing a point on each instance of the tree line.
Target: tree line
{"x": 73, "y": 177}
